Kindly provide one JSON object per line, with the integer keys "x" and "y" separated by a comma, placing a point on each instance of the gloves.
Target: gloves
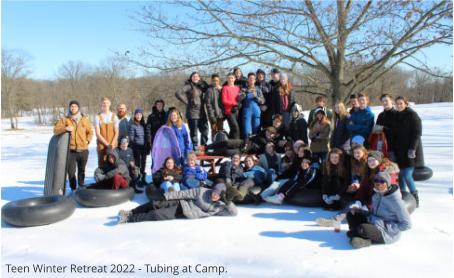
{"x": 335, "y": 197}
{"x": 391, "y": 156}
{"x": 411, "y": 154}
{"x": 356, "y": 205}
{"x": 235, "y": 109}
{"x": 327, "y": 199}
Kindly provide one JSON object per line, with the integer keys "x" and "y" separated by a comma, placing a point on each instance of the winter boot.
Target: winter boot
{"x": 325, "y": 222}
{"x": 123, "y": 218}
{"x": 276, "y": 199}
{"x": 359, "y": 242}
{"x": 124, "y": 212}
{"x": 144, "y": 178}
{"x": 133, "y": 184}
{"x": 415, "y": 194}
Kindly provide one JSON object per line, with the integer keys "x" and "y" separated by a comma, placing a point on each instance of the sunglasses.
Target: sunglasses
{"x": 124, "y": 140}
{"x": 380, "y": 181}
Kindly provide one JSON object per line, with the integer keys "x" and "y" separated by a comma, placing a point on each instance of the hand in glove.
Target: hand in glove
{"x": 327, "y": 199}
{"x": 335, "y": 197}
{"x": 411, "y": 154}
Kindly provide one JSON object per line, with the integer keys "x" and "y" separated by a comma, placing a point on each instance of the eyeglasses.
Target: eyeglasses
{"x": 124, "y": 140}
{"x": 380, "y": 181}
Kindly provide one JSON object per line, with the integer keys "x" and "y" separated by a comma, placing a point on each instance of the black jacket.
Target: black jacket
{"x": 277, "y": 101}
{"x": 298, "y": 130}
{"x": 213, "y": 102}
{"x": 387, "y": 119}
{"x": 154, "y": 121}
{"x": 406, "y": 135}
{"x": 159, "y": 176}
{"x": 340, "y": 134}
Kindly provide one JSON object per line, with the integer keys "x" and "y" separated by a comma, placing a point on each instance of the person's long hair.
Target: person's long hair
{"x": 253, "y": 160}
{"x": 323, "y": 121}
{"x": 285, "y": 89}
{"x": 193, "y": 85}
{"x": 176, "y": 168}
{"x": 342, "y": 111}
{"x": 359, "y": 168}
{"x": 334, "y": 170}
{"x": 179, "y": 122}
{"x": 141, "y": 122}
{"x": 384, "y": 163}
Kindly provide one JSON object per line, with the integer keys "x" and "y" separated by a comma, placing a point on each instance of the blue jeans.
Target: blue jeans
{"x": 189, "y": 183}
{"x": 273, "y": 188}
{"x": 406, "y": 179}
{"x": 271, "y": 175}
{"x": 167, "y": 184}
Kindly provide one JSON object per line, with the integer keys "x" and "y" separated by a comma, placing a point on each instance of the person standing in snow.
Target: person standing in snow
{"x": 361, "y": 122}
{"x": 139, "y": 146}
{"x": 81, "y": 135}
{"x": 106, "y": 129}
{"x": 214, "y": 105}
{"x": 251, "y": 98}
{"x": 123, "y": 121}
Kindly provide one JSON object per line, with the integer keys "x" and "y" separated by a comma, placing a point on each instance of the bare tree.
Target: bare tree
{"x": 351, "y": 44}
{"x": 14, "y": 71}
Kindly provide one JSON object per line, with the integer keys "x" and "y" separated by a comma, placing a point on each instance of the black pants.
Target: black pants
{"x": 157, "y": 210}
{"x": 232, "y": 119}
{"x": 202, "y": 126}
{"x": 77, "y": 159}
{"x": 358, "y": 225}
{"x": 140, "y": 158}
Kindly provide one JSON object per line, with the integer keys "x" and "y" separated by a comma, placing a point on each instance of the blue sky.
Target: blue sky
{"x": 54, "y": 33}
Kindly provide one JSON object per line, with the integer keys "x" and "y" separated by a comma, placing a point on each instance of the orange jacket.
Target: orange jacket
{"x": 80, "y": 136}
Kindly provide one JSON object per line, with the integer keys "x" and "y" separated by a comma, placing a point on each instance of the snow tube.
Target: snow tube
{"x": 422, "y": 173}
{"x": 38, "y": 211}
{"x": 306, "y": 198}
{"x": 90, "y": 197}
{"x": 409, "y": 200}
{"x": 57, "y": 165}
{"x": 153, "y": 193}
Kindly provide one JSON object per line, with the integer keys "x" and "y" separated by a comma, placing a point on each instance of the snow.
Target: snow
{"x": 262, "y": 241}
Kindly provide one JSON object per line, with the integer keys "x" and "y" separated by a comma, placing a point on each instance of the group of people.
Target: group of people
{"x": 355, "y": 165}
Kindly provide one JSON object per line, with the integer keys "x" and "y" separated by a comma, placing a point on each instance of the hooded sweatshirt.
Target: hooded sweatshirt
{"x": 108, "y": 171}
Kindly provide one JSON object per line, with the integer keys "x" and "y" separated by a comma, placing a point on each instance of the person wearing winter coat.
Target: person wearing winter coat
{"x": 240, "y": 80}
{"x": 155, "y": 120}
{"x": 386, "y": 120}
{"x": 271, "y": 162}
{"x": 106, "y": 130}
{"x": 320, "y": 102}
{"x": 81, "y": 134}
{"x": 251, "y": 98}
{"x": 387, "y": 219}
{"x": 193, "y": 175}
{"x": 308, "y": 177}
{"x": 340, "y": 135}
{"x": 406, "y": 134}
{"x": 319, "y": 134}
{"x": 127, "y": 156}
{"x": 335, "y": 180}
{"x": 288, "y": 158}
{"x": 139, "y": 143}
{"x": 168, "y": 178}
{"x": 283, "y": 100}
{"x": 361, "y": 122}
{"x": 114, "y": 174}
{"x": 231, "y": 172}
{"x": 298, "y": 125}
{"x": 192, "y": 204}
{"x": 192, "y": 95}
{"x": 184, "y": 142}
{"x": 253, "y": 171}
{"x": 123, "y": 121}
{"x": 214, "y": 105}
{"x": 230, "y": 93}
{"x": 265, "y": 117}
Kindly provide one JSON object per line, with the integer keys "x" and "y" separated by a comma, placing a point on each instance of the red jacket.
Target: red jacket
{"x": 229, "y": 97}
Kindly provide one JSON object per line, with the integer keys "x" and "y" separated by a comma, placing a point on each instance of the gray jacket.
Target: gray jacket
{"x": 197, "y": 203}
{"x": 108, "y": 171}
{"x": 193, "y": 102}
{"x": 389, "y": 214}
{"x": 259, "y": 97}
{"x": 213, "y": 102}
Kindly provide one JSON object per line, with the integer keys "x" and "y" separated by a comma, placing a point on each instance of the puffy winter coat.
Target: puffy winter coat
{"x": 298, "y": 129}
{"x": 389, "y": 214}
{"x": 257, "y": 173}
{"x": 230, "y": 173}
{"x": 197, "y": 203}
{"x": 406, "y": 134}
{"x": 363, "y": 120}
{"x": 159, "y": 176}
{"x": 194, "y": 101}
{"x": 108, "y": 171}
{"x": 213, "y": 102}
{"x": 196, "y": 171}
{"x": 340, "y": 135}
{"x": 137, "y": 135}
{"x": 154, "y": 121}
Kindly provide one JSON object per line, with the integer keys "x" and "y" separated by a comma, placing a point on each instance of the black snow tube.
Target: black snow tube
{"x": 153, "y": 193}
{"x": 38, "y": 211}
{"x": 306, "y": 198}
{"x": 409, "y": 200}
{"x": 91, "y": 197}
{"x": 57, "y": 164}
{"x": 422, "y": 173}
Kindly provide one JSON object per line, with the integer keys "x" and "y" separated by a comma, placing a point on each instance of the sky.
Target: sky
{"x": 56, "y": 32}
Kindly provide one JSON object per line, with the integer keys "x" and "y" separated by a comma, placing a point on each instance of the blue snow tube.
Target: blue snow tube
{"x": 38, "y": 211}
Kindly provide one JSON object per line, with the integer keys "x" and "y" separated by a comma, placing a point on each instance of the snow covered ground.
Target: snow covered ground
{"x": 262, "y": 241}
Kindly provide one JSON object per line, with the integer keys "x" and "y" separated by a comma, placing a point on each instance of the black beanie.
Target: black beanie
{"x": 74, "y": 102}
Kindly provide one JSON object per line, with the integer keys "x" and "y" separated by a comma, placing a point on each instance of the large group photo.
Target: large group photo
{"x": 243, "y": 139}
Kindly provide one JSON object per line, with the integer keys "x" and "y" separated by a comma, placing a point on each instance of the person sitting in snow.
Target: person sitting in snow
{"x": 126, "y": 154}
{"x": 193, "y": 175}
{"x": 193, "y": 203}
{"x": 387, "y": 219}
{"x": 112, "y": 175}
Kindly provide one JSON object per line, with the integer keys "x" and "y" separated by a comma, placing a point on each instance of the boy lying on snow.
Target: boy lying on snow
{"x": 192, "y": 203}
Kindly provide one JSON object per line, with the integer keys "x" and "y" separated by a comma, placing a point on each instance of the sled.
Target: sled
{"x": 165, "y": 144}
{"x": 57, "y": 165}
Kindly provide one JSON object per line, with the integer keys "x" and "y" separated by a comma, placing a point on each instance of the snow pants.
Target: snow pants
{"x": 157, "y": 210}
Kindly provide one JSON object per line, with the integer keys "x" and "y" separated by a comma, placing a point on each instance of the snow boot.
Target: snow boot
{"x": 415, "y": 194}
{"x": 359, "y": 242}
{"x": 325, "y": 222}
{"x": 276, "y": 199}
{"x": 122, "y": 219}
{"x": 124, "y": 212}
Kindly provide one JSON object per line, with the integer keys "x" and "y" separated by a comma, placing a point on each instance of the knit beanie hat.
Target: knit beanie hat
{"x": 138, "y": 110}
{"x": 358, "y": 139}
{"x": 74, "y": 102}
{"x": 218, "y": 188}
{"x": 385, "y": 176}
{"x": 377, "y": 155}
{"x": 319, "y": 109}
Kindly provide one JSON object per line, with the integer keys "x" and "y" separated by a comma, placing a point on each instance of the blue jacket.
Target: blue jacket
{"x": 196, "y": 171}
{"x": 257, "y": 173}
{"x": 389, "y": 214}
{"x": 364, "y": 122}
{"x": 137, "y": 135}
{"x": 127, "y": 156}
{"x": 184, "y": 141}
